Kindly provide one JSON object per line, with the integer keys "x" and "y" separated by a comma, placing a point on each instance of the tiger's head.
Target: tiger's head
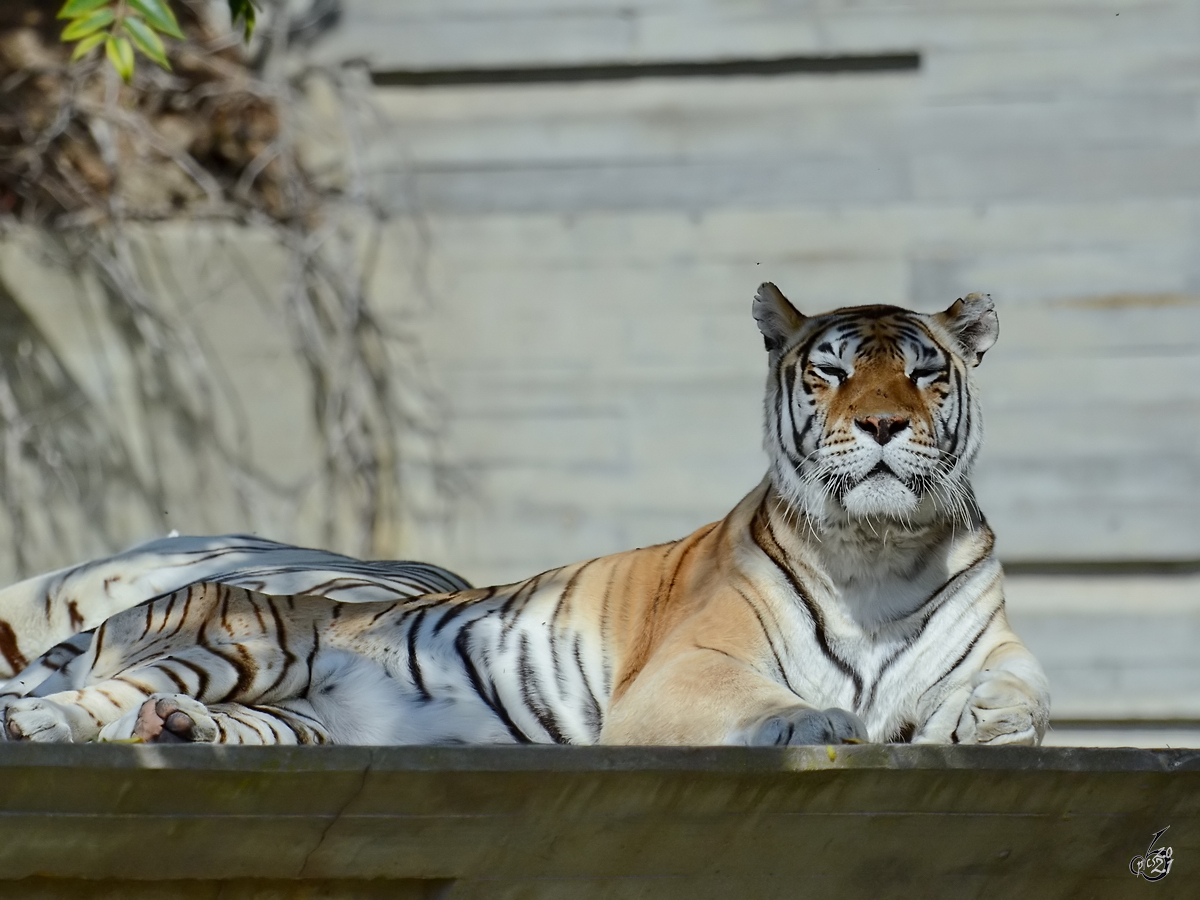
{"x": 870, "y": 410}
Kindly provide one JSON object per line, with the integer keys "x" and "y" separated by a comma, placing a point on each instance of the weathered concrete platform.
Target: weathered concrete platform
{"x": 549, "y": 822}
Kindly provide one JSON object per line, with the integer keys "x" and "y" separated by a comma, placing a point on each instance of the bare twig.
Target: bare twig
{"x": 86, "y": 471}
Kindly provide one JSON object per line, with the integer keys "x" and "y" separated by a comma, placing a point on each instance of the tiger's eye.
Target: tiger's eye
{"x": 833, "y": 372}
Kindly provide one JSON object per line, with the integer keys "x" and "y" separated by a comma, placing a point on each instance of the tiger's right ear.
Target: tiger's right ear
{"x": 777, "y": 319}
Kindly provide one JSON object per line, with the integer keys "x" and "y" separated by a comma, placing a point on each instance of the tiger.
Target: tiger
{"x": 852, "y": 596}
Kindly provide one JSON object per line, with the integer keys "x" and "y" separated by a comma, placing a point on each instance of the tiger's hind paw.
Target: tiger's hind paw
{"x": 174, "y": 719}
{"x": 36, "y": 720}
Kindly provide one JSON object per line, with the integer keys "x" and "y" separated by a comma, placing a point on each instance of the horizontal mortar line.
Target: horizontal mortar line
{"x": 566, "y": 74}
{"x": 1103, "y": 567}
{"x": 590, "y": 165}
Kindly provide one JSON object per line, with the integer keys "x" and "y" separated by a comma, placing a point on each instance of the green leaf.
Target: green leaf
{"x": 244, "y": 10}
{"x": 85, "y": 26}
{"x": 73, "y": 9}
{"x": 120, "y": 54}
{"x": 159, "y": 15}
{"x": 146, "y": 40}
{"x": 88, "y": 43}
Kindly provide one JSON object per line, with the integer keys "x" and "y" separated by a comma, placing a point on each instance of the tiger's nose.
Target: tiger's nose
{"x": 882, "y": 428}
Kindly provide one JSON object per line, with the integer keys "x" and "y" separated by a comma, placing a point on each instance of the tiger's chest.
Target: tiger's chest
{"x": 888, "y": 671}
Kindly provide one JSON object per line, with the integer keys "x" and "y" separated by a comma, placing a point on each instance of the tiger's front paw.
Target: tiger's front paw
{"x": 166, "y": 719}
{"x": 804, "y": 725}
{"x": 1002, "y": 709}
{"x": 36, "y": 720}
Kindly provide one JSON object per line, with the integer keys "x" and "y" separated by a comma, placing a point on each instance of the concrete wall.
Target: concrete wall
{"x": 587, "y": 251}
{"x": 879, "y": 822}
{"x": 579, "y": 259}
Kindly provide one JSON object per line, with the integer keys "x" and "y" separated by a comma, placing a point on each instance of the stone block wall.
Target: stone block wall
{"x": 578, "y": 258}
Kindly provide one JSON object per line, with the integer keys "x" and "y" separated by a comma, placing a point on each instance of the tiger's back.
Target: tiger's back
{"x": 431, "y": 669}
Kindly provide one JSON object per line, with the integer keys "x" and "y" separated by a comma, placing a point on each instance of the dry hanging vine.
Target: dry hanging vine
{"x": 96, "y": 168}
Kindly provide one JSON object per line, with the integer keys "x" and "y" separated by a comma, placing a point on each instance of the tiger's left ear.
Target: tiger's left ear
{"x": 777, "y": 318}
{"x": 972, "y": 320}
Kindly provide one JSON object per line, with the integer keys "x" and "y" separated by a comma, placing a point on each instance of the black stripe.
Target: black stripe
{"x": 271, "y": 721}
{"x": 235, "y": 664}
{"x": 957, "y": 385}
{"x": 97, "y": 641}
{"x": 460, "y": 606}
{"x": 956, "y": 379}
{"x": 804, "y": 354}
{"x": 140, "y": 686}
{"x": 453, "y": 611}
{"x": 687, "y": 551}
{"x": 567, "y": 591}
{"x": 781, "y": 398}
{"x": 307, "y": 729}
{"x": 722, "y": 652}
{"x": 770, "y": 643}
{"x": 149, "y": 622}
{"x": 183, "y": 615}
{"x": 309, "y": 661}
{"x": 201, "y": 674}
{"x": 593, "y": 715}
{"x": 281, "y": 637}
{"x": 970, "y": 647}
{"x": 223, "y": 591}
{"x": 245, "y": 666}
{"x": 966, "y": 401}
{"x": 814, "y": 611}
{"x": 962, "y": 575}
{"x": 383, "y": 612}
{"x": 166, "y": 613}
{"x": 531, "y": 693}
{"x": 57, "y": 657}
{"x": 179, "y": 682}
{"x": 799, "y": 437}
{"x": 787, "y": 380}
{"x": 510, "y": 610}
{"x": 462, "y": 646}
{"x": 414, "y": 667}
{"x": 604, "y": 627}
{"x": 789, "y": 407}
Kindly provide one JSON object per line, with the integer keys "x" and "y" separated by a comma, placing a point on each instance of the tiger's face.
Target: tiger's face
{"x": 870, "y": 410}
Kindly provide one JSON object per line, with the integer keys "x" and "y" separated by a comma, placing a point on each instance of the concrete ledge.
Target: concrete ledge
{"x": 873, "y": 821}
